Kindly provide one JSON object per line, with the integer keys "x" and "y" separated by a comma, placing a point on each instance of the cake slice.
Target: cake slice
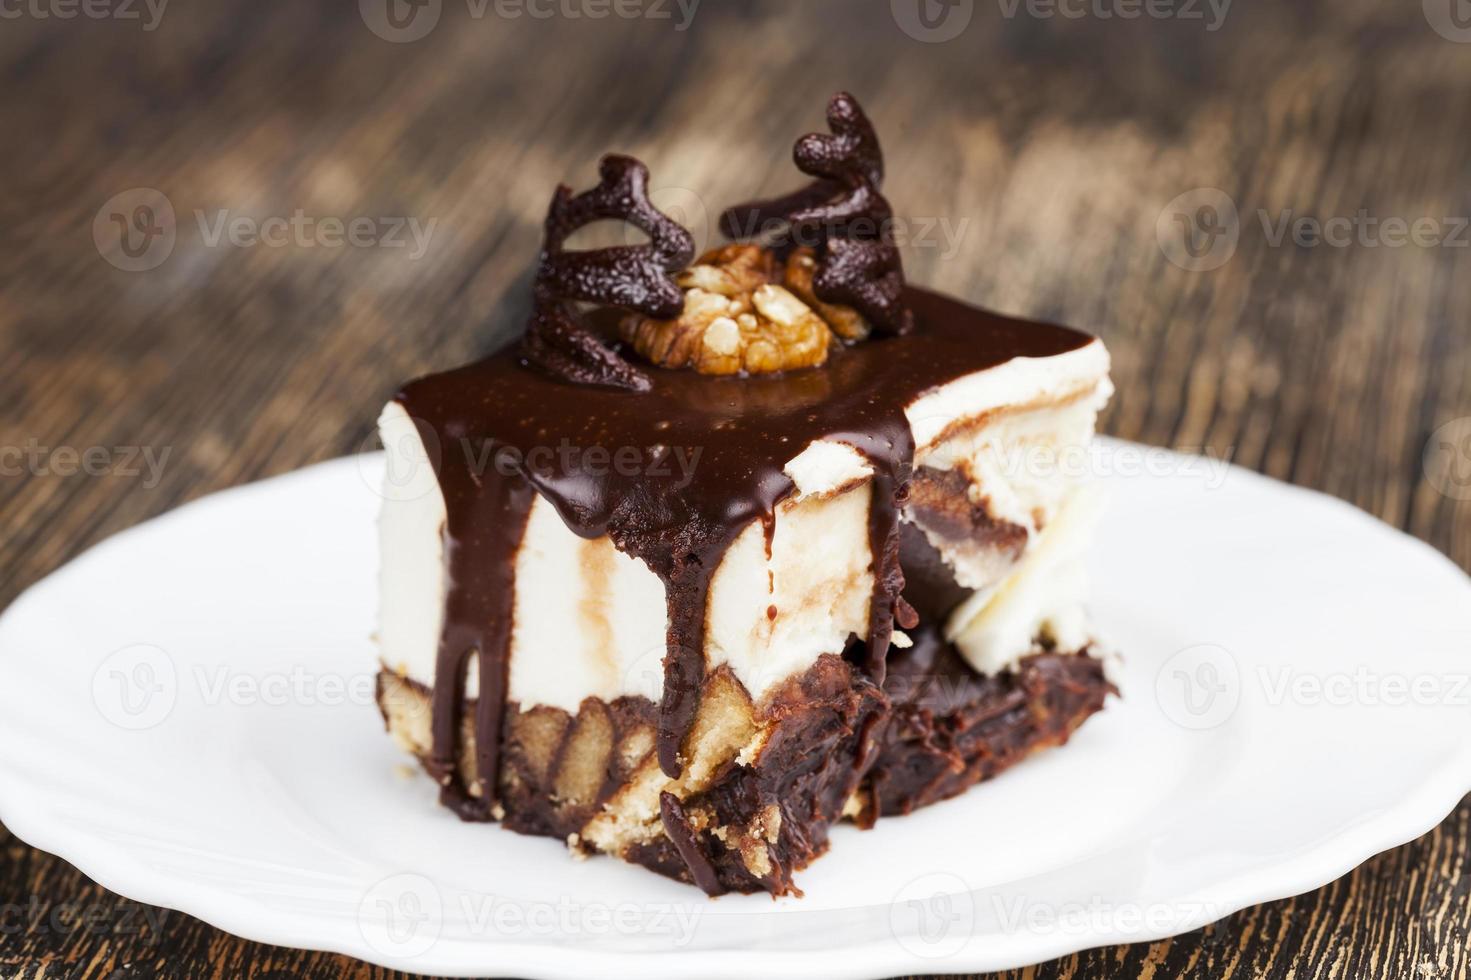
{"x": 728, "y": 549}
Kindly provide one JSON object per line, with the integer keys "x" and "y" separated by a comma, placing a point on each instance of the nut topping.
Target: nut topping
{"x": 845, "y": 321}
{"x": 857, "y": 262}
{"x": 738, "y": 318}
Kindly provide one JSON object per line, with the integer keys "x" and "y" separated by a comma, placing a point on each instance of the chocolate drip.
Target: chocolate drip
{"x": 710, "y": 458}
{"x": 677, "y": 828}
{"x": 484, "y": 529}
{"x": 888, "y": 577}
{"x": 889, "y": 449}
{"x": 687, "y": 594}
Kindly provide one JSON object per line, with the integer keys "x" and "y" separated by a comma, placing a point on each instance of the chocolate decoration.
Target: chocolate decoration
{"x": 635, "y": 277}
{"x": 858, "y": 264}
{"x": 868, "y": 276}
{"x": 734, "y": 435}
{"x": 557, "y": 344}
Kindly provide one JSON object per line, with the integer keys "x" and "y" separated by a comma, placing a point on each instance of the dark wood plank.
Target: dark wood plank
{"x": 1057, "y": 141}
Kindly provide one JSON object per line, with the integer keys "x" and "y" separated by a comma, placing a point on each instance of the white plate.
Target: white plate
{"x": 185, "y": 714}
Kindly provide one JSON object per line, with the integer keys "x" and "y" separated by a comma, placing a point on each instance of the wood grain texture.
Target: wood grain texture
{"x": 1052, "y": 144}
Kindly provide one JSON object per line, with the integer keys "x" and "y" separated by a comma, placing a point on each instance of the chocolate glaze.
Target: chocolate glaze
{"x": 677, "y": 828}
{"x": 615, "y": 462}
{"x": 485, "y": 519}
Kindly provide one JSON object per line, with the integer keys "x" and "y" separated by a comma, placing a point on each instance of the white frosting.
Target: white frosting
{"x": 411, "y": 551}
{"x": 1021, "y": 466}
{"x": 590, "y": 621}
{"x": 1043, "y": 596}
{"x": 827, "y": 466}
{"x": 818, "y": 582}
{"x": 1020, "y": 381}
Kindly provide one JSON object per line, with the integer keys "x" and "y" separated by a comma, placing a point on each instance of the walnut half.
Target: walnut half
{"x": 845, "y": 321}
{"x": 740, "y": 316}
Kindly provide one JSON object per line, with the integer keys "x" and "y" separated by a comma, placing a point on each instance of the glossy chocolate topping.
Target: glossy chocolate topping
{"x": 672, "y": 474}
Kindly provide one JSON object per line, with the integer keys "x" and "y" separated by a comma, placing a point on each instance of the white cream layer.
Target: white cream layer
{"x": 1043, "y": 596}
{"x": 590, "y": 620}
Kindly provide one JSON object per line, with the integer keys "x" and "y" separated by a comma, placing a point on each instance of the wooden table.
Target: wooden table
{"x": 1055, "y": 146}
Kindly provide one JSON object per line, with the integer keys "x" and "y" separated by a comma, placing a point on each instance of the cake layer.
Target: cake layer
{"x": 761, "y": 787}
{"x": 768, "y": 780}
{"x": 1042, "y": 596}
{"x": 789, "y": 588}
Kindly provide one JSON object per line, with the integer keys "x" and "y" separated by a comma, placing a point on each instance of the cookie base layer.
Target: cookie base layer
{"x": 766, "y": 782}
{"x": 752, "y": 806}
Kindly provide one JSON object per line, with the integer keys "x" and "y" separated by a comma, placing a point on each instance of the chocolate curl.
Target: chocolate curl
{"x": 637, "y": 277}
{"x": 858, "y": 263}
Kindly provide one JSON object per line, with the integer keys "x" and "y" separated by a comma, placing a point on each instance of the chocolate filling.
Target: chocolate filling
{"x": 929, "y": 582}
{"x": 941, "y": 504}
{"x": 949, "y": 727}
